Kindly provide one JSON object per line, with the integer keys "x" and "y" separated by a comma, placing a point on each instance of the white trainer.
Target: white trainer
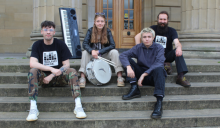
{"x": 32, "y": 116}
{"x": 79, "y": 112}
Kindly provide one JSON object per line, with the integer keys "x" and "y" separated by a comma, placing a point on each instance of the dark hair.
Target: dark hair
{"x": 163, "y": 12}
{"x": 47, "y": 24}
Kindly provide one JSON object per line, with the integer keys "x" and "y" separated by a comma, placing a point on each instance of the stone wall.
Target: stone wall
{"x": 16, "y": 23}
{"x": 151, "y": 8}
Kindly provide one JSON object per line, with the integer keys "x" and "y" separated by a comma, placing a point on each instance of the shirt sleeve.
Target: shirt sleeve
{"x": 159, "y": 61}
{"x": 174, "y": 34}
{"x": 131, "y": 53}
{"x": 34, "y": 52}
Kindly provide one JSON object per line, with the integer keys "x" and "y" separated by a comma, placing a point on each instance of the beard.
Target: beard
{"x": 162, "y": 29}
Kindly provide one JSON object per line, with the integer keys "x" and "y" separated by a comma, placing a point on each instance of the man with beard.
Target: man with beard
{"x": 169, "y": 35}
{"x": 49, "y": 63}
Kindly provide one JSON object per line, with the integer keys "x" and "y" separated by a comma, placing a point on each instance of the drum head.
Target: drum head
{"x": 102, "y": 71}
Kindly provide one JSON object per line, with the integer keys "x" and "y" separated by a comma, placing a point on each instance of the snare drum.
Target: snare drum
{"x": 98, "y": 72}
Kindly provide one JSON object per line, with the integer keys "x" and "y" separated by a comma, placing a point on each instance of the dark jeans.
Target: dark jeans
{"x": 155, "y": 78}
{"x": 180, "y": 62}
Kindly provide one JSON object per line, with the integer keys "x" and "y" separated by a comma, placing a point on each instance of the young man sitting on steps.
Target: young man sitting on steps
{"x": 49, "y": 63}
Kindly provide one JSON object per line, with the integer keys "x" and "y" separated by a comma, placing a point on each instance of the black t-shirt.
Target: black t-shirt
{"x": 165, "y": 39}
{"x": 51, "y": 55}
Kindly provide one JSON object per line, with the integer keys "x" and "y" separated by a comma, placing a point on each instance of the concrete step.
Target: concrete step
{"x": 21, "y": 78}
{"x": 111, "y": 103}
{"x": 20, "y": 90}
{"x": 120, "y": 119}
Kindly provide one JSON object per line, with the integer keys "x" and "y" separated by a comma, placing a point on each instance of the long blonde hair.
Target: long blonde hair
{"x": 103, "y": 37}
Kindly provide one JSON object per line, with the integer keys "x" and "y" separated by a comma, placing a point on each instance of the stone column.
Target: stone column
{"x": 200, "y": 27}
{"x": 49, "y": 10}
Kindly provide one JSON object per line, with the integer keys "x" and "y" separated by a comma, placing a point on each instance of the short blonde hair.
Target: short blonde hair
{"x": 148, "y": 30}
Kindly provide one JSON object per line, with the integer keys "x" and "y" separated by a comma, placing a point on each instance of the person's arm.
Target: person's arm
{"x": 159, "y": 61}
{"x": 35, "y": 64}
{"x": 111, "y": 43}
{"x": 178, "y": 47}
{"x": 87, "y": 40}
{"x": 137, "y": 38}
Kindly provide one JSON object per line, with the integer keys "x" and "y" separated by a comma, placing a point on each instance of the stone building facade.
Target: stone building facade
{"x": 195, "y": 20}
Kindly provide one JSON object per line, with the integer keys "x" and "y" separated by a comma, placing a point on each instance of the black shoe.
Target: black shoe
{"x": 158, "y": 110}
{"x": 134, "y": 92}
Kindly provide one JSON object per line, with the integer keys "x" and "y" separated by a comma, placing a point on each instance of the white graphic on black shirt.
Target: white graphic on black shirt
{"x": 161, "y": 40}
{"x": 50, "y": 58}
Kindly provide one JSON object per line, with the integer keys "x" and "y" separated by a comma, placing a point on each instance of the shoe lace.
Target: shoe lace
{"x": 184, "y": 78}
{"x": 33, "y": 111}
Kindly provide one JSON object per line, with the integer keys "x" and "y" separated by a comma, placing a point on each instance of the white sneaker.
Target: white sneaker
{"x": 32, "y": 116}
{"x": 79, "y": 112}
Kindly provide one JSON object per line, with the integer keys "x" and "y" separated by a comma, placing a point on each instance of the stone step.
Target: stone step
{"x": 21, "y": 78}
{"x": 193, "y": 65}
{"x": 191, "y": 68}
{"x": 111, "y": 103}
{"x": 120, "y": 119}
{"x": 20, "y": 90}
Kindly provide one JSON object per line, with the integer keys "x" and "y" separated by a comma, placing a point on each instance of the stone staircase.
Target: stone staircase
{"x": 197, "y": 106}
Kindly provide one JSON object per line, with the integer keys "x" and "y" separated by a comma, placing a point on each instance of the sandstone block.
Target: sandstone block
{"x": 65, "y": 3}
{"x": 2, "y": 1}
{"x": 203, "y": 4}
{"x": 188, "y": 20}
{"x": 195, "y": 5}
{"x": 2, "y": 8}
{"x": 188, "y": 5}
{"x": 2, "y": 24}
{"x": 12, "y": 8}
{"x": 91, "y": 3}
{"x": 147, "y": 14}
{"x": 147, "y": 3}
{"x": 183, "y": 21}
{"x": 18, "y": 24}
{"x": 159, "y": 9}
{"x": 5, "y": 40}
{"x": 84, "y": 24}
{"x": 49, "y": 3}
{"x": 202, "y": 19}
{"x": 195, "y": 19}
{"x": 12, "y": 32}
{"x": 30, "y": 2}
{"x": 212, "y": 4}
{"x": 174, "y": 25}
{"x": 175, "y": 14}
{"x": 158, "y": 2}
{"x": 57, "y": 3}
{"x": 183, "y": 5}
{"x": 172, "y": 2}
{"x": 13, "y": 1}
{"x": 23, "y": 16}
{"x": 84, "y": 12}
{"x": 211, "y": 18}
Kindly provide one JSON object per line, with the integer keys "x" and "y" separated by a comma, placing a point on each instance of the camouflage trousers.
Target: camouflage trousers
{"x": 36, "y": 76}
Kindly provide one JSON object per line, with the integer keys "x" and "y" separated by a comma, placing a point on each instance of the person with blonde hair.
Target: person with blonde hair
{"x": 149, "y": 69}
{"x": 99, "y": 41}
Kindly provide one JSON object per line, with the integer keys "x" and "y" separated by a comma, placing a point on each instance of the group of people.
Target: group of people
{"x": 152, "y": 66}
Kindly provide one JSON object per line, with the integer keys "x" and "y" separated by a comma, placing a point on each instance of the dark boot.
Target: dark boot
{"x": 158, "y": 110}
{"x": 134, "y": 92}
{"x": 168, "y": 68}
{"x": 182, "y": 81}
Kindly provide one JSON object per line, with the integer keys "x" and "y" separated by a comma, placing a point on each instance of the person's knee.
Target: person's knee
{"x": 72, "y": 70}
{"x": 33, "y": 70}
{"x": 114, "y": 52}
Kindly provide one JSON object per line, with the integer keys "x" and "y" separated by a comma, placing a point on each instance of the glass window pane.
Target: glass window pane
{"x": 131, "y": 24}
{"x": 126, "y": 14}
{"x": 104, "y": 3}
{"x": 109, "y": 3}
{"x": 131, "y": 4}
{"x": 110, "y": 24}
{"x": 125, "y": 4}
{"x": 109, "y": 14}
{"x": 131, "y": 14}
{"x": 105, "y": 11}
{"x": 125, "y": 24}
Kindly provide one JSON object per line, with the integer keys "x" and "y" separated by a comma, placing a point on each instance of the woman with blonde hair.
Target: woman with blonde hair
{"x": 99, "y": 41}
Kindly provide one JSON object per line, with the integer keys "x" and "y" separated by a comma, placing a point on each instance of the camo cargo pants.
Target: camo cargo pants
{"x": 36, "y": 76}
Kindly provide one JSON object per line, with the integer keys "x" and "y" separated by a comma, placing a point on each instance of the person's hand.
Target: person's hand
{"x": 179, "y": 52}
{"x": 48, "y": 79}
{"x": 95, "y": 54}
{"x": 130, "y": 72}
{"x": 141, "y": 79}
{"x": 56, "y": 72}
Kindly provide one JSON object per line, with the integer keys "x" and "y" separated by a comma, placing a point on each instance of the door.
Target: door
{"x": 123, "y": 18}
